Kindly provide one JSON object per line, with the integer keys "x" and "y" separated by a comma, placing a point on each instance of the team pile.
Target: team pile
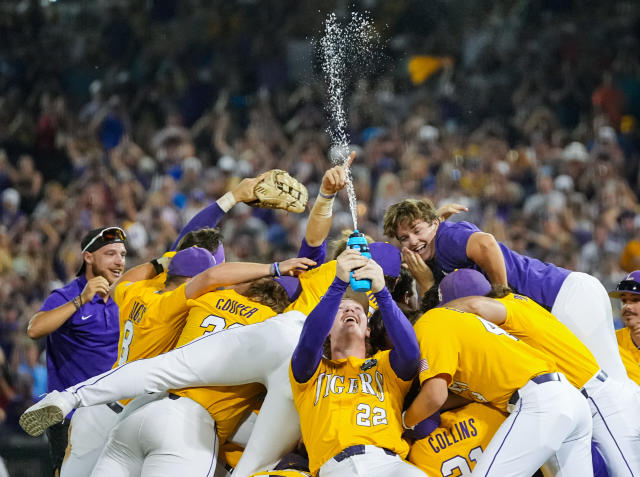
{"x": 281, "y": 369}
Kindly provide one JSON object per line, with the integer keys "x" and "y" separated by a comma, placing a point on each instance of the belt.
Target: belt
{"x": 357, "y": 450}
{"x": 115, "y": 407}
{"x": 173, "y": 397}
{"x": 542, "y": 378}
{"x": 600, "y": 376}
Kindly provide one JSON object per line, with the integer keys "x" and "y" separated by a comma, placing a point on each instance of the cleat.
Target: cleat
{"x": 49, "y": 411}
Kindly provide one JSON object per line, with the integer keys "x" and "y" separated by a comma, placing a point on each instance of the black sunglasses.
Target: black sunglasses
{"x": 628, "y": 286}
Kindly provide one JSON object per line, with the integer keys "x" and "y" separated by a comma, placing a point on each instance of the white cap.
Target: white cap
{"x": 226, "y": 163}
{"x": 576, "y": 151}
{"x": 428, "y": 133}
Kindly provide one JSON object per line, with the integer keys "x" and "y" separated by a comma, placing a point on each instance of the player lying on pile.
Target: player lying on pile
{"x": 349, "y": 403}
{"x": 616, "y": 420}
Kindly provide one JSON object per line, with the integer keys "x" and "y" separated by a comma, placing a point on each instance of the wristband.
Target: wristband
{"x": 227, "y": 201}
{"x": 275, "y": 270}
{"x": 326, "y": 196}
{"x": 157, "y": 266}
{"x": 76, "y": 303}
{"x": 404, "y": 426}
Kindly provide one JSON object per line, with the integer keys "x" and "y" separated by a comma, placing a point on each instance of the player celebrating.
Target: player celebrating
{"x": 578, "y": 300}
{"x": 616, "y": 421}
{"x": 628, "y": 291}
{"x": 350, "y": 406}
{"x": 466, "y": 354}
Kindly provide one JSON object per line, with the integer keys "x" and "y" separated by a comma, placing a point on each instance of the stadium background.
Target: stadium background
{"x": 141, "y": 113}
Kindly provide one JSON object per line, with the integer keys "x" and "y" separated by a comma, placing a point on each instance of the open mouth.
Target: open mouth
{"x": 351, "y": 319}
{"x": 116, "y": 273}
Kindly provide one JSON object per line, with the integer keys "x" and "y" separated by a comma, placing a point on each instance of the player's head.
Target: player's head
{"x": 350, "y": 324}
{"x": 103, "y": 253}
{"x": 208, "y": 238}
{"x": 403, "y": 290}
{"x": 463, "y": 282}
{"x": 628, "y": 291}
{"x": 268, "y": 292}
{"x": 378, "y": 336}
{"x": 414, "y": 224}
{"x": 188, "y": 263}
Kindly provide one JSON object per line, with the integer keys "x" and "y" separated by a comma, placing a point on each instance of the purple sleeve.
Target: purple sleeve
{"x": 405, "y": 355}
{"x": 423, "y": 428}
{"x": 210, "y": 216}
{"x": 317, "y": 326}
{"x": 451, "y": 245}
{"x": 316, "y": 254}
{"x": 54, "y": 300}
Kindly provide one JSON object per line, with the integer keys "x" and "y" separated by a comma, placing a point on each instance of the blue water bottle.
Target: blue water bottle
{"x": 358, "y": 242}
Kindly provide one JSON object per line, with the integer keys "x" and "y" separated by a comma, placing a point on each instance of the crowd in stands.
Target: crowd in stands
{"x": 139, "y": 114}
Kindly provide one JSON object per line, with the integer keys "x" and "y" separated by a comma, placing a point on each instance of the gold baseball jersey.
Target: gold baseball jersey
{"x": 349, "y": 402}
{"x": 538, "y": 328}
{"x": 629, "y": 353}
{"x": 453, "y": 448}
{"x": 314, "y": 284}
{"x": 479, "y": 360}
{"x": 211, "y": 313}
{"x": 150, "y": 320}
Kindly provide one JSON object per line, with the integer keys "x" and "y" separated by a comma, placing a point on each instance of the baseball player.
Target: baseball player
{"x": 350, "y": 404}
{"x": 258, "y": 353}
{"x": 578, "y": 300}
{"x": 466, "y": 355}
{"x": 80, "y": 321}
{"x": 178, "y": 433}
{"x": 616, "y": 421}
{"x": 628, "y": 291}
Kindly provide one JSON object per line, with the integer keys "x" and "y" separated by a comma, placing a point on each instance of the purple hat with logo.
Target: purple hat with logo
{"x": 463, "y": 282}
{"x": 631, "y": 284}
{"x": 190, "y": 261}
{"x": 387, "y": 256}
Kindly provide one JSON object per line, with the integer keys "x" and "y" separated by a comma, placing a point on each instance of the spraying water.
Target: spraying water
{"x": 344, "y": 48}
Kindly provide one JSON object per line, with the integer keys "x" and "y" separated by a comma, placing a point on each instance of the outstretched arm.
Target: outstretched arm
{"x": 405, "y": 355}
{"x": 484, "y": 250}
{"x": 487, "y": 308}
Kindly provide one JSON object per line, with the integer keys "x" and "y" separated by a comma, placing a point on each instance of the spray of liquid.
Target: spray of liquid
{"x": 345, "y": 48}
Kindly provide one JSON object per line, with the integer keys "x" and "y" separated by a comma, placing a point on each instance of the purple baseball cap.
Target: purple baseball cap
{"x": 631, "y": 284}
{"x": 463, "y": 282}
{"x": 387, "y": 256}
{"x": 191, "y": 261}
{"x": 291, "y": 286}
{"x": 218, "y": 256}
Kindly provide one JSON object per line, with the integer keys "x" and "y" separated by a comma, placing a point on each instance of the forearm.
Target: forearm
{"x": 225, "y": 274}
{"x": 320, "y": 220}
{"x": 316, "y": 328}
{"x": 210, "y": 216}
{"x": 405, "y": 354}
{"x": 485, "y": 252}
{"x": 46, "y": 322}
{"x": 431, "y": 397}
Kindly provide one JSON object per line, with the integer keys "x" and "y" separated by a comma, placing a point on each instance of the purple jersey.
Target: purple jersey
{"x": 86, "y": 344}
{"x": 528, "y": 276}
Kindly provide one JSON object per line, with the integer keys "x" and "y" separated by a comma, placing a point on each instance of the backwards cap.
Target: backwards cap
{"x": 190, "y": 261}
{"x": 463, "y": 282}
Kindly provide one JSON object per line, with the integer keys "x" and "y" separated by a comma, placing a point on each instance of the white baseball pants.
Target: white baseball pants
{"x": 551, "y": 421}
{"x": 255, "y": 353}
{"x": 373, "y": 463}
{"x": 583, "y": 306}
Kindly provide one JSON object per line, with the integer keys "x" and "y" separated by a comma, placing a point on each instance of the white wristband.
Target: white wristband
{"x": 404, "y": 426}
{"x": 227, "y": 201}
{"x": 323, "y": 207}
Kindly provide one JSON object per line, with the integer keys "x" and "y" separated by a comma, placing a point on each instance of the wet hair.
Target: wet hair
{"x": 430, "y": 299}
{"x": 407, "y": 212}
{"x": 337, "y": 246}
{"x": 402, "y": 288}
{"x": 268, "y": 292}
{"x": 208, "y": 238}
{"x": 378, "y": 334}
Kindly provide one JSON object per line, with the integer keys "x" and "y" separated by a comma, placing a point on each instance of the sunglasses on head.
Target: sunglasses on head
{"x": 628, "y": 286}
{"x": 108, "y": 235}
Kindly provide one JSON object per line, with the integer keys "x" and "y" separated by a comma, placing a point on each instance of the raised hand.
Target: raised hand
{"x": 98, "y": 285}
{"x": 349, "y": 260}
{"x": 448, "y": 210}
{"x": 243, "y": 192}
{"x": 295, "y": 266}
{"x": 418, "y": 269}
{"x": 335, "y": 179}
{"x": 373, "y": 272}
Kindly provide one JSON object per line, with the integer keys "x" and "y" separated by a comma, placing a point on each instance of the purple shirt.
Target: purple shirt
{"x": 86, "y": 344}
{"x": 528, "y": 276}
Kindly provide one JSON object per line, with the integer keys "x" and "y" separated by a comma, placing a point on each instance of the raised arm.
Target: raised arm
{"x": 405, "y": 355}
{"x": 317, "y": 326}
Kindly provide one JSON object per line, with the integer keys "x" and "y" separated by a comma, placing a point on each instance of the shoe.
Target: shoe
{"x": 51, "y": 410}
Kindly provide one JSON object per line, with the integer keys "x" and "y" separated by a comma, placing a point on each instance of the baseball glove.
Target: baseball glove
{"x": 278, "y": 190}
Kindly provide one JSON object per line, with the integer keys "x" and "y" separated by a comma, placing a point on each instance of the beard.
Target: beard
{"x": 101, "y": 272}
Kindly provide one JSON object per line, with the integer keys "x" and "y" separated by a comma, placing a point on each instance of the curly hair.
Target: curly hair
{"x": 208, "y": 238}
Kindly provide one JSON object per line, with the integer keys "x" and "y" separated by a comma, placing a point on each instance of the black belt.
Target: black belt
{"x": 173, "y": 397}
{"x": 600, "y": 376}
{"x": 115, "y": 407}
{"x": 542, "y": 378}
{"x": 357, "y": 450}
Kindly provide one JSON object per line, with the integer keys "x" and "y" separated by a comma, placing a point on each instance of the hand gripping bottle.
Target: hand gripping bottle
{"x": 358, "y": 242}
